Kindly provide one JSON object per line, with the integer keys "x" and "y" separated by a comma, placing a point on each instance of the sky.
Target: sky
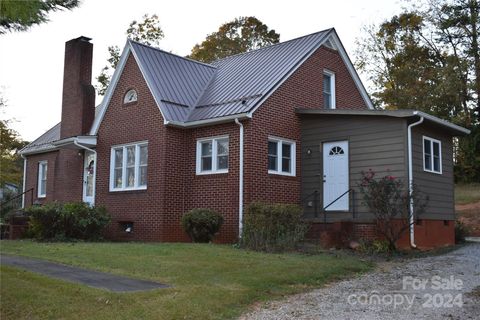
{"x": 31, "y": 63}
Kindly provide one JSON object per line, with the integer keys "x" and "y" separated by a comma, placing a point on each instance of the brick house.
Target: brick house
{"x": 278, "y": 124}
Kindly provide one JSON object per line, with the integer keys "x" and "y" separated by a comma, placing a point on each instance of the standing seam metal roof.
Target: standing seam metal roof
{"x": 188, "y": 90}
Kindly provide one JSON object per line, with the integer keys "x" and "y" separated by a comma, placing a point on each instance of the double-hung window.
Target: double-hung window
{"x": 281, "y": 156}
{"x": 328, "y": 89}
{"x": 432, "y": 155}
{"x": 212, "y": 155}
{"x": 128, "y": 167}
{"x": 42, "y": 179}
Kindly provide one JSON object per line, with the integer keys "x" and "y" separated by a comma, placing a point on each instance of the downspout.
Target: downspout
{"x": 240, "y": 182}
{"x": 410, "y": 180}
{"x": 94, "y": 170}
{"x": 24, "y": 179}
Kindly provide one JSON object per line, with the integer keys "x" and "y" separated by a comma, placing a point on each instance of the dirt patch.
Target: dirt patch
{"x": 469, "y": 214}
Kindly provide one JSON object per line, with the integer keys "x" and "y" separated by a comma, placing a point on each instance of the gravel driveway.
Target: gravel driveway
{"x": 436, "y": 287}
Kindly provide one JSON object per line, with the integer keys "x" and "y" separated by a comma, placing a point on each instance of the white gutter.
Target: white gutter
{"x": 24, "y": 179}
{"x": 410, "y": 179}
{"x": 207, "y": 122}
{"x": 240, "y": 182}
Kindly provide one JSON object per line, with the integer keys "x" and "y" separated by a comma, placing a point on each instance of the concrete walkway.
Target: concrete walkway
{"x": 78, "y": 275}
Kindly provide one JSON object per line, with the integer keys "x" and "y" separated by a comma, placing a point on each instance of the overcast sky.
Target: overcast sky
{"x": 31, "y": 63}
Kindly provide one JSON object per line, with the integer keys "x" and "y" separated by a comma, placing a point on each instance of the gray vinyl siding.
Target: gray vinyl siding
{"x": 377, "y": 143}
{"x": 439, "y": 187}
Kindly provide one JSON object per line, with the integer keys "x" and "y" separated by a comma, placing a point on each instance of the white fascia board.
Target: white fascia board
{"x": 45, "y": 150}
{"x": 442, "y": 122}
{"x": 110, "y": 90}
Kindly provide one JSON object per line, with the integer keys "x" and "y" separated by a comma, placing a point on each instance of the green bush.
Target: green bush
{"x": 273, "y": 227}
{"x": 461, "y": 231}
{"x": 374, "y": 247}
{"x": 201, "y": 224}
{"x": 74, "y": 220}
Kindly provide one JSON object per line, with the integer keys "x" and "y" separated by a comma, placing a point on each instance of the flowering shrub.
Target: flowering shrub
{"x": 388, "y": 199}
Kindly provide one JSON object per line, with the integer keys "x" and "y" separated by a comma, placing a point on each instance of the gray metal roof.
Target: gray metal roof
{"x": 248, "y": 77}
{"x": 188, "y": 90}
{"x": 44, "y": 142}
{"x": 176, "y": 82}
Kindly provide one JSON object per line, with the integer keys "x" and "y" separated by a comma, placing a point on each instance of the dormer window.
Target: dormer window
{"x": 328, "y": 89}
{"x": 130, "y": 96}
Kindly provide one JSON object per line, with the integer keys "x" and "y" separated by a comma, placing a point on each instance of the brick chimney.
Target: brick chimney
{"x": 78, "y": 99}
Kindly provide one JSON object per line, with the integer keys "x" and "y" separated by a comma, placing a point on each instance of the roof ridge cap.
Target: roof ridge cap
{"x": 172, "y": 54}
{"x": 273, "y": 45}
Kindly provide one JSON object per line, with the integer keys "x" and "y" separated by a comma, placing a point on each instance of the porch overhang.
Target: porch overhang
{"x": 454, "y": 129}
{"x": 76, "y": 143}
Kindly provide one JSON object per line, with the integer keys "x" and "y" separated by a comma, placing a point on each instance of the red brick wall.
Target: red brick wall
{"x": 428, "y": 235}
{"x": 32, "y": 177}
{"x": 140, "y": 121}
{"x": 277, "y": 117}
{"x": 64, "y": 176}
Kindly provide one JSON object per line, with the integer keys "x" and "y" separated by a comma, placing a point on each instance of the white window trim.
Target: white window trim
{"x": 431, "y": 140}
{"x": 40, "y": 174}
{"x": 332, "y": 86}
{"x": 124, "y": 167}
{"x": 214, "y": 155}
{"x": 293, "y": 149}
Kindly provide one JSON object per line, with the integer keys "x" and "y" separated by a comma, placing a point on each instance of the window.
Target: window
{"x": 328, "y": 90}
{"x": 281, "y": 156}
{"x": 432, "y": 155}
{"x": 128, "y": 167}
{"x": 42, "y": 179}
{"x": 212, "y": 155}
{"x": 130, "y": 96}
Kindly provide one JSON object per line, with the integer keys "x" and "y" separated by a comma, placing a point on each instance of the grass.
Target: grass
{"x": 467, "y": 193}
{"x": 208, "y": 281}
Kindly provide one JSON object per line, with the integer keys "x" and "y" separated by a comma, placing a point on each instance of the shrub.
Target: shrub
{"x": 201, "y": 224}
{"x": 272, "y": 227}
{"x": 388, "y": 199}
{"x": 75, "y": 220}
{"x": 461, "y": 231}
{"x": 375, "y": 247}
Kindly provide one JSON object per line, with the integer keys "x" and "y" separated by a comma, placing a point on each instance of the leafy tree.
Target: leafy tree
{"x": 148, "y": 32}
{"x": 240, "y": 35}
{"x": 428, "y": 59}
{"x": 21, "y": 15}
{"x": 11, "y": 164}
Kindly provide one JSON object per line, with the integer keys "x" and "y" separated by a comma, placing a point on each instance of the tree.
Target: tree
{"x": 21, "y": 15}
{"x": 11, "y": 164}
{"x": 148, "y": 32}
{"x": 240, "y": 35}
{"x": 427, "y": 59}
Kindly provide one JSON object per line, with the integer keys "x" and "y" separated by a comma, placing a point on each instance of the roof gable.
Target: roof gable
{"x": 188, "y": 92}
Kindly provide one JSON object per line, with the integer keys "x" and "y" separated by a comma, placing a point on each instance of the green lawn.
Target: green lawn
{"x": 467, "y": 193}
{"x": 209, "y": 281}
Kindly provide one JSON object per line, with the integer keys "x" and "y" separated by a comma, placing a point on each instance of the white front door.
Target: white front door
{"x": 335, "y": 175}
{"x": 89, "y": 178}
